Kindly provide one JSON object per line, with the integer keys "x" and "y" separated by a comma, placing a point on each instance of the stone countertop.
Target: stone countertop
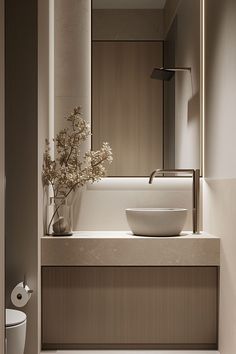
{"x": 122, "y": 248}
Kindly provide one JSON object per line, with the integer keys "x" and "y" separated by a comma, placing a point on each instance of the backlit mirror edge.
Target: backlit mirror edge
{"x": 202, "y": 100}
{"x": 202, "y": 87}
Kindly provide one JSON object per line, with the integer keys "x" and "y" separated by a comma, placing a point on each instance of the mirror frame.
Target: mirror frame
{"x": 202, "y": 93}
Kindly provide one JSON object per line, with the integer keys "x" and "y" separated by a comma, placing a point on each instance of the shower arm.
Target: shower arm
{"x": 177, "y": 69}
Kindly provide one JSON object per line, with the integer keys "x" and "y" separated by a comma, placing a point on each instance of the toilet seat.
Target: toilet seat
{"x": 14, "y": 317}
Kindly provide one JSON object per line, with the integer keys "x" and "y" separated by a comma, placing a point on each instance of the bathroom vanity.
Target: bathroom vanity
{"x": 115, "y": 290}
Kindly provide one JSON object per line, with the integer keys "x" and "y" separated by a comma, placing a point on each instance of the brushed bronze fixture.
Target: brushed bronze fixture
{"x": 195, "y": 190}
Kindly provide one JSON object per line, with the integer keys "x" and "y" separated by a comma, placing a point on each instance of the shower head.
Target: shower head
{"x": 162, "y": 74}
{"x": 166, "y": 73}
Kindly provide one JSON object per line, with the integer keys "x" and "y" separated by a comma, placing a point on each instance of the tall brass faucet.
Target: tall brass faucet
{"x": 195, "y": 188}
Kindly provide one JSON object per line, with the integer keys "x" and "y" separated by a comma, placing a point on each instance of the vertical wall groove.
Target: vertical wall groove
{"x": 21, "y": 156}
{"x": 2, "y": 178}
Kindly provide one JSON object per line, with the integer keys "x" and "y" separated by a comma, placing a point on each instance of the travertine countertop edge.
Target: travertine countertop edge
{"x": 121, "y": 248}
{"x": 185, "y": 235}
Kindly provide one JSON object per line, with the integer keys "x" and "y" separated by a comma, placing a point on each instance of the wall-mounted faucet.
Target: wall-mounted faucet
{"x": 195, "y": 188}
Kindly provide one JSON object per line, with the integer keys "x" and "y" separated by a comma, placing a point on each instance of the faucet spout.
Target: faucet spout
{"x": 195, "y": 190}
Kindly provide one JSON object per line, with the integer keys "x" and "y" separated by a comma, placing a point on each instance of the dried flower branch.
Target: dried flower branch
{"x": 70, "y": 170}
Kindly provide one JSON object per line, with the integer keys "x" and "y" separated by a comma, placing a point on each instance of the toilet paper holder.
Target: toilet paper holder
{"x": 30, "y": 291}
{"x": 21, "y": 294}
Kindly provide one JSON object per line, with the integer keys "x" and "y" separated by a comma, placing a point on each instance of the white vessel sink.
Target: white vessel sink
{"x": 156, "y": 221}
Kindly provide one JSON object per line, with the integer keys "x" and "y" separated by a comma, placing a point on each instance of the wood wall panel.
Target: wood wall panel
{"x": 127, "y": 105}
{"x": 127, "y": 24}
{"x": 123, "y": 306}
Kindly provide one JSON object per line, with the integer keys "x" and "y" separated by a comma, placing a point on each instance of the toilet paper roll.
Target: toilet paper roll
{"x": 20, "y": 295}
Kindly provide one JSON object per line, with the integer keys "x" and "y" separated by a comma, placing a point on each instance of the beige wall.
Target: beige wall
{"x": 220, "y": 89}
{"x": 22, "y": 157}
{"x": 220, "y": 162}
{"x": 128, "y": 24}
{"x": 72, "y": 58}
{"x": 170, "y": 10}
{"x": 2, "y": 182}
{"x": 183, "y": 92}
{"x": 219, "y": 219}
{"x": 187, "y": 94}
{"x": 102, "y": 206}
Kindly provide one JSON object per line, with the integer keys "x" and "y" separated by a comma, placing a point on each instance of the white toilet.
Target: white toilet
{"x": 15, "y": 331}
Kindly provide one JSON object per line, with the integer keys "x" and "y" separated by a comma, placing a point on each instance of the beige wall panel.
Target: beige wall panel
{"x": 102, "y": 206}
{"x": 127, "y": 24}
{"x": 72, "y": 44}
{"x": 219, "y": 217}
{"x": 170, "y": 10}
{"x": 127, "y": 105}
{"x": 220, "y": 71}
{"x": 129, "y": 305}
{"x": 220, "y": 162}
{"x": 72, "y": 59}
{"x": 187, "y": 86}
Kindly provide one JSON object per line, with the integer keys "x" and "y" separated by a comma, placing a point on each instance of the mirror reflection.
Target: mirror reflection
{"x": 150, "y": 116}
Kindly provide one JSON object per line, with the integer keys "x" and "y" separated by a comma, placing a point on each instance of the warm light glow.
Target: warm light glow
{"x": 202, "y": 53}
{"x": 51, "y": 83}
{"x": 141, "y": 183}
{"x": 51, "y": 75}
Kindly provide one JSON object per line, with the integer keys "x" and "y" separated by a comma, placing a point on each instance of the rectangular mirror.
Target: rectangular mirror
{"x": 150, "y": 122}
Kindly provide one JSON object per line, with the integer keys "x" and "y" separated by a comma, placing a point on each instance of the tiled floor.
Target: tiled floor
{"x": 132, "y": 352}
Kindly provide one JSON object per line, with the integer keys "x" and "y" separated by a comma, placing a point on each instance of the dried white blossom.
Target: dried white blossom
{"x": 70, "y": 170}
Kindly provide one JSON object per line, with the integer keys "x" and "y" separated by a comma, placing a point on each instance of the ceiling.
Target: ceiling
{"x": 128, "y": 4}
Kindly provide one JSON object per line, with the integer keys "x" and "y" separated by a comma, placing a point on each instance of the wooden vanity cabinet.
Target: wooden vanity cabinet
{"x": 120, "y": 307}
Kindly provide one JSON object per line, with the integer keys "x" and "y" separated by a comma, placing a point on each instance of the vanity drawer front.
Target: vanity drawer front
{"x": 124, "y": 307}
